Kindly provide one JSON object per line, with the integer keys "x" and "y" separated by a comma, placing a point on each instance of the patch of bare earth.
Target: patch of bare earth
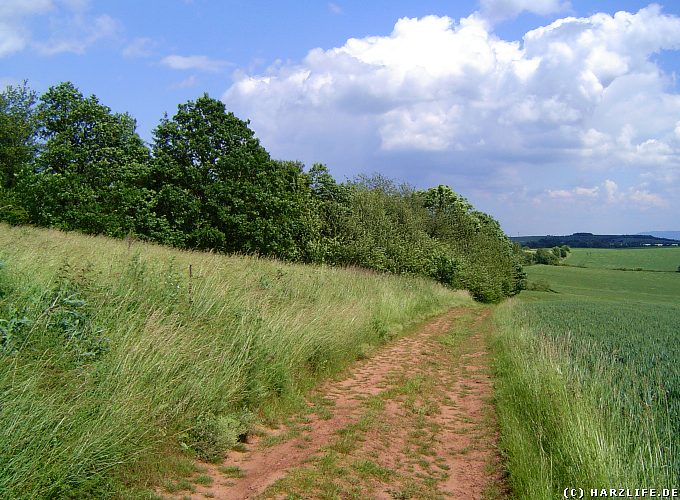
{"x": 414, "y": 421}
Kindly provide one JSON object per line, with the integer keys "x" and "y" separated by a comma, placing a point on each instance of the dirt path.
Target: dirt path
{"x": 414, "y": 421}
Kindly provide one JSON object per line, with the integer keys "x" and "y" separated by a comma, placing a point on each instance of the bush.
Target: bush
{"x": 547, "y": 257}
{"x": 213, "y": 435}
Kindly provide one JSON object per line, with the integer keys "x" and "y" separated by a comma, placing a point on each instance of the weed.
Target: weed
{"x": 203, "y": 479}
{"x": 231, "y": 471}
{"x": 367, "y": 468}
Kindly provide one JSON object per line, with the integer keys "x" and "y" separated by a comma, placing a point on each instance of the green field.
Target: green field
{"x": 116, "y": 360}
{"x": 603, "y": 285}
{"x": 649, "y": 259}
{"x": 589, "y": 378}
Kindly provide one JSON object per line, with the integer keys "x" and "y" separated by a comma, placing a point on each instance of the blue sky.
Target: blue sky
{"x": 554, "y": 116}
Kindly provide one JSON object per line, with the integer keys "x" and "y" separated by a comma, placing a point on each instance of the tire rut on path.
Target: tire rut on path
{"x": 413, "y": 421}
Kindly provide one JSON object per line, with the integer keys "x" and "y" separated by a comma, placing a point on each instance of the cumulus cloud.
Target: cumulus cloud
{"x": 583, "y": 91}
{"x": 201, "y": 63}
{"x": 578, "y": 102}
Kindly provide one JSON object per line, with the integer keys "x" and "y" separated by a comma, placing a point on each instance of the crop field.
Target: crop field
{"x": 648, "y": 259}
{"x": 589, "y": 377}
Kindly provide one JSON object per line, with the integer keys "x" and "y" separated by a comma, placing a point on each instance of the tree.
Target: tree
{"x": 18, "y": 132}
{"x": 92, "y": 167}
{"x": 217, "y": 187}
{"x": 18, "y": 147}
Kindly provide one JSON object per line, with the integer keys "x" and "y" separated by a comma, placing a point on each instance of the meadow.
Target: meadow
{"x": 118, "y": 358}
{"x": 647, "y": 259}
{"x": 588, "y": 386}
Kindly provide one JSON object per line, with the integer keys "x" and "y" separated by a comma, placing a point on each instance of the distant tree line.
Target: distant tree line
{"x": 206, "y": 182}
{"x": 589, "y": 240}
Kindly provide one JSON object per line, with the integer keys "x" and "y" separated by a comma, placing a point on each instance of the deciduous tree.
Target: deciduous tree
{"x": 92, "y": 167}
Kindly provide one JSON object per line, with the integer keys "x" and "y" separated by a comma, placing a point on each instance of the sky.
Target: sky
{"x": 554, "y": 116}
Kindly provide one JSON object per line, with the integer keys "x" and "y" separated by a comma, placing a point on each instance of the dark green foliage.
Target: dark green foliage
{"x": 91, "y": 172}
{"x": 209, "y": 184}
{"x": 18, "y": 147}
{"x": 589, "y": 240}
{"x": 382, "y": 229}
{"x": 491, "y": 266}
{"x": 217, "y": 187}
{"x": 12, "y": 210}
{"x": 376, "y": 224}
{"x": 18, "y": 132}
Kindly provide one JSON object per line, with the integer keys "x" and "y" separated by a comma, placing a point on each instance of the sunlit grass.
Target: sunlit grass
{"x": 588, "y": 385}
{"x": 114, "y": 352}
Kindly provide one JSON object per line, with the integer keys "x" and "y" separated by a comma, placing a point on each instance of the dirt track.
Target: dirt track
{"x": 413, "y": 421}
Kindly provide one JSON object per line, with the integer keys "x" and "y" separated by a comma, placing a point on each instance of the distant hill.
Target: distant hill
{"x": 673, "y": 235}
{"x": 589, "y": 240}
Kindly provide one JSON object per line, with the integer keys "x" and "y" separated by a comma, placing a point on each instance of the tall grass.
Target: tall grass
{"x": 114, "y": 352}
{"x": 588, "y": 385}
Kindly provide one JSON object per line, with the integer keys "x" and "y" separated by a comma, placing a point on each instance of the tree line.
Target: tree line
{"x": 205, "y": 182}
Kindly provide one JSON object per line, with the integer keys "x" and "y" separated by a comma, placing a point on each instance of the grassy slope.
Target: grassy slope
{"x": 112, "y": 356}
{"x": 589, "y": 384}
{"x": 652, "y": 259}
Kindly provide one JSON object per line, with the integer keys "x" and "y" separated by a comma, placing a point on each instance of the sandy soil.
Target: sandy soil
{"x": 413, "y": 421}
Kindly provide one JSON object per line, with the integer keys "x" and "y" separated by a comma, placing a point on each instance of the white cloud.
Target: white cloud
{"x": 14, "y": 35}
{"x": 638, "y": 196}
{"x": 496, "y": 10}
{"x": 580, "y": 91}
{"x": 612, "y": 190}
{"x": 12, "y": 38}
{"x": 578, "y": 192}
{"x": 201, "y": 63}
{"x": 645, "y": 199}
{"x": 72, "y": 27}
{"x": 608, "y": 192}
{"x": 82, "y": 32}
